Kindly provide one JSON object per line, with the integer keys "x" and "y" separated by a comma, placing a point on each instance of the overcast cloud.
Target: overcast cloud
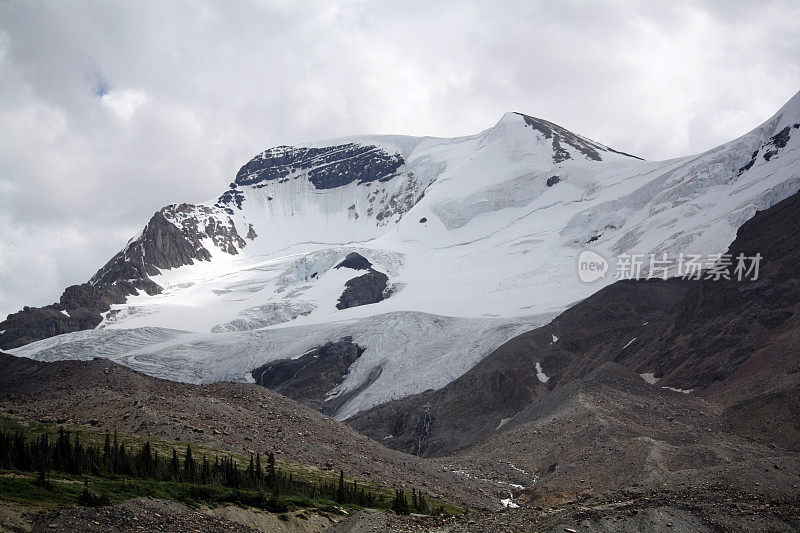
{"x": 110, "y": 110}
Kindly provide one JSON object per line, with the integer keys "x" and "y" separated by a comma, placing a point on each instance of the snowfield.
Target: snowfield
{"x": 479, "y": 237}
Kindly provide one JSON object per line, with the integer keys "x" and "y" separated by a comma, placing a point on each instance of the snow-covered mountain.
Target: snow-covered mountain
{"x": 427, "y": 252}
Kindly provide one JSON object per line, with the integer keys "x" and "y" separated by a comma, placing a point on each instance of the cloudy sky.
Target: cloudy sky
{"x": 109, "y": 110}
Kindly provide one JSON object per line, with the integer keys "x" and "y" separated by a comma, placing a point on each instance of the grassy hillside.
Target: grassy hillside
{"x": 60, "y": 488}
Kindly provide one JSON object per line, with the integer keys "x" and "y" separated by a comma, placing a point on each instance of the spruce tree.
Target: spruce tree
{"x": 271, "y": 478}
{"x": 189, "y": 467}
{"x": 340, "y": 488}
{"x": 205, "y": 471}
{"x": 422, "y": 505}
{"x": 107, "y": 451}
{"x": 251, "y": 471}
{"x": 175, "y": 466}
{"x": 400, "y": 503}
{"x": 122, "y": 460}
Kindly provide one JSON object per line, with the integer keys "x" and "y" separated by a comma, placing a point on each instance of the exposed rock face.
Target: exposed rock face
{"x": 89, "y": 297}
{"x": 36, "y": 323}
{"x": 612, "y": 431}
{"x": 778, "y": 141}
{"x": 311, "y": 376}
{"x": 370, "y": 288}
{"x": 367, "y": 289}
{"x": 355, "y": 261}
{"x": 172, "y": 238}
{"x": 331, "y": 166}
{"x": 771, "y": 147}
{"x": 735, "y": 341}
{"x": 79, "y": 308}
{"x": 231, "y": 197}
{"x": 161, "y": 245}
{"x": 560, "y": 137}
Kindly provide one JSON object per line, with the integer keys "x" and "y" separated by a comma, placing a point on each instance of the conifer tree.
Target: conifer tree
{"x": 189, "y": 467}
{"x": 205, "y": 471}
{"x": 107, "y": 451}
{"x": 251, "y": 471}
{"x": 122, "y": 466}
{"x": 271, "y": 477}
{"x": 175, "y": 466}
{"x": 340, "y": 488}
{"x": 400, "y": 503}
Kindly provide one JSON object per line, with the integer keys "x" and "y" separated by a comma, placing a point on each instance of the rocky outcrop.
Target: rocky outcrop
{"x": 735, "y": 342}
{"x": 771, "y": 147}
{"x": 310, "y": 377}
{"x": 233, "y": 197}
{"x": 778, "y": 141}
{"x": 355, "y": 261}
{"x": 561, "y": 138}
{"x": 172, "y": 238}
{"x": 328, "y": 167}
{"x": 80, "y": 307}
{"x": 161, "y": 245}
{"x": 370, "y": 288}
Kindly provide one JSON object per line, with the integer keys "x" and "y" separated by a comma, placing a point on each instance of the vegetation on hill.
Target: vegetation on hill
{"x": 50, "y": 465}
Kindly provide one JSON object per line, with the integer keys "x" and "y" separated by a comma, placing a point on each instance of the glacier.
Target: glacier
{"x": 478, "y": 235}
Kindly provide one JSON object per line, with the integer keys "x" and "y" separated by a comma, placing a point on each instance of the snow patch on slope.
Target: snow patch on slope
{"x": 544, "y": 378}
{"x": 649, "y": 377}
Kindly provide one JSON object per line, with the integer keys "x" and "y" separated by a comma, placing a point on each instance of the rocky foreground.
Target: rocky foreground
{"x": 148, "y": 514}
{"x": 236, "y": 417}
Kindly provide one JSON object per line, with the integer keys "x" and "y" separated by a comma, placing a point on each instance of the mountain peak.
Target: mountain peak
{"x": 566, "y": 144}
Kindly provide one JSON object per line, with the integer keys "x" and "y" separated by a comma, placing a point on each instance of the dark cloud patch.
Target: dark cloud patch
{"x": 109, "y": 110}
{"x": 100, "y": 85}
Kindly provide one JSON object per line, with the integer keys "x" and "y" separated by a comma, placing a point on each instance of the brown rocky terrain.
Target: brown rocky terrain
{"x": 705, "y": 510}
{"x": 737, "y": 343}
{"x": 608, "y": 434}
{"x": 148, "y": 514}
{"x": 308, "y": 378}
